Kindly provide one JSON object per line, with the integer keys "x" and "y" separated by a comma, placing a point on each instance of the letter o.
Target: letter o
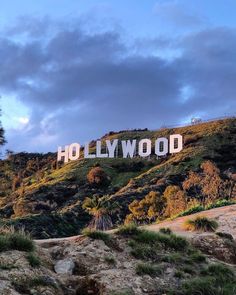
{"x": 74, "y": 151}
{"x": 148, "y": 151}
{"x": 164, "y": 142}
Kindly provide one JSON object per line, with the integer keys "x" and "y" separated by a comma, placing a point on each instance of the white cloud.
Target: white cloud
{"x": 23, "y": 120}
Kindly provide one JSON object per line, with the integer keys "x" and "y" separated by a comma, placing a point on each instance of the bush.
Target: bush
{"x": 220, "y": 203}
{"x": 123, "y": 292}
{"x": 24, "y": 285}
{"x": 148, "y": 269}
{"x": 110, "y": 260}
{"x": 201, "y": 224}
{"x": 167, "y": 240}
{"x": 192, "y": 210}
{"x": 97, "y": 177}
{"x": 166, "y": 231}
{"x": 198, "y": 257}
{"x": 128, "y": 230}
{"x": 21, "y": 242}
{"x": 98, "y": 235}
{"x": 222, "y": 273}
{"x": 15, "y": 240}
{"x": 33, "y": 260}
{"x": 201, "y": 286}
{"x": 225, "y": 236}
{"x": 144, "y": 252}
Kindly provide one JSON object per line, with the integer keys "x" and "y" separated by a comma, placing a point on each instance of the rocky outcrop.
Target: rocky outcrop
{"x": 222, "y": 248}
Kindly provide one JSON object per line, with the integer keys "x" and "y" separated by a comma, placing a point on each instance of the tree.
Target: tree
{"x": 97, "y": 176}
{"x": 176, "y": 200}
{"x": 207, "y": 185}
{"x": 148, "y": 209}
{"x": 101, "y": 208}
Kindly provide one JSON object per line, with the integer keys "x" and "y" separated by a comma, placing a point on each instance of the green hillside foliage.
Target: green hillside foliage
{"x": 47, "y": 197}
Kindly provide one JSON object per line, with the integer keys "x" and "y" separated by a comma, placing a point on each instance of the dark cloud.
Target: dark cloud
{"x": 79, "y": 85}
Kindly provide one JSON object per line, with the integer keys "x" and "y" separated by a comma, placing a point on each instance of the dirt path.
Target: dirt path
{"x": 225, "y": 216}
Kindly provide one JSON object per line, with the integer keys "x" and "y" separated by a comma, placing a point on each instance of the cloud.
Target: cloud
{"x": 177, "y": 14}
{"x": 79, "y": 86}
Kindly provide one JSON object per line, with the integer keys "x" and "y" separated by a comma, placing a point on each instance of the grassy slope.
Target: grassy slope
{"x": 214, "y": 140}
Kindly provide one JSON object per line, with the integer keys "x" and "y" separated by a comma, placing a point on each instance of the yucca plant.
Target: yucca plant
{"x": 101, "y": 208}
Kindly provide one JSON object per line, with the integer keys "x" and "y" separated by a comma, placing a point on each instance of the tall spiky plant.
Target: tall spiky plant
{"x": 101, "y": 208}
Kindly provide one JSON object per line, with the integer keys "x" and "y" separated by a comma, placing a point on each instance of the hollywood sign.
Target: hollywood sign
{"x": 129, "y": 148}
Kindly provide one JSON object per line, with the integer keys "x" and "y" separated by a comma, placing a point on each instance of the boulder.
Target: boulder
{"x": 64, "y": 266}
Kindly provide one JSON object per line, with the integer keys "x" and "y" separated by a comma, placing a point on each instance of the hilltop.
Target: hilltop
{"x": 47, "y": 197}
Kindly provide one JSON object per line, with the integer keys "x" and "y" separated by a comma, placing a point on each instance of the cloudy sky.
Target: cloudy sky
{"x": 72, "y": 70}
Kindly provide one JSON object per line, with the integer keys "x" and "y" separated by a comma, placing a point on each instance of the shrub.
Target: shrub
{"x": 123, "y": 292}
{"x": 4, "y": 243}
{"x": 15, "y": 240}
{"x": 179, "y": 274}
{"x": 97, "y": 177}
{"x": 197, "y": 257}
{"x": 21, "y": 242}
{"x": 221, "y": 272}
{"x": 144, "y": 252}
{"x": 174, "y": 258}
{"x": 128, "y": 230}
{"x": 98, "y": 235}
{"x": 148, "y": 269}
{"x": 220, "y": 203}
{"x": 166, "y": 230}
{"x": 201, "y": 286}
{"x": 225, "y": 236}
{"x": 33, "y": 260}
{"x": 201, "y": 224}
{"x": 188, "y": 269}
{"x": 7, "y": 266}
{"x": 192, "y": 210}
{"x": 168, "y": 241}
{"x": 110, "y": 260}
{"x": 24, "y": 285}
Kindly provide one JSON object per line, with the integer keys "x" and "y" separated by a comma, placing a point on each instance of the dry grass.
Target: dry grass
{"x": 201, "y": 223}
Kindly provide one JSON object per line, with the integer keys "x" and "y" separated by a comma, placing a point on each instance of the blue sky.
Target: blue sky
{"x": 73, "y": 70}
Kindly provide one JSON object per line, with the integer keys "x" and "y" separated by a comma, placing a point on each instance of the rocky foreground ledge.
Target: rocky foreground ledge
{"x": 132, "y": 261}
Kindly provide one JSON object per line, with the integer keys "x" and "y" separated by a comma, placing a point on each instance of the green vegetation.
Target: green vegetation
{"x": 98, "y": 235}
{"x": 225, "y": 236}
{"x": 7, "y": 266}
{"x": 2, "y": 138}
{"x": 166, "y": 231}
{"x": 128, "y": 230}
{"x": 192, "y": 210}
{"x": 148, "y": 269}
{"x": 48, "y": 198}
{"x": 110, "y": 260}
{"x": 33, "y": 260}
{"x": 13, "y": 240}
{"x": 101, "y": 208}
{"x": 201, "y": 223}
{"x": 24, "y": 285}
{"x": 123, "y": 292}
{"x": 216, "y": 279}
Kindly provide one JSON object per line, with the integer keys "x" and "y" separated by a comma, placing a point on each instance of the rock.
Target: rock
{"x": 221, "y": 248}
{"x": 65, "y": 266}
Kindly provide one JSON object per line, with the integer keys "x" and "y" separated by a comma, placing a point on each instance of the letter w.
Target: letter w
{"x": 128, "y": 148}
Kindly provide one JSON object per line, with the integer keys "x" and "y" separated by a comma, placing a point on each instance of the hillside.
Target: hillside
{"x": 129, "y": 261}
{"x": 46, "y": 197}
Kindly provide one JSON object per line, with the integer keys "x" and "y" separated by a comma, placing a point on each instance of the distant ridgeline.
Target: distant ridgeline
{"x": 129, "y": 148}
